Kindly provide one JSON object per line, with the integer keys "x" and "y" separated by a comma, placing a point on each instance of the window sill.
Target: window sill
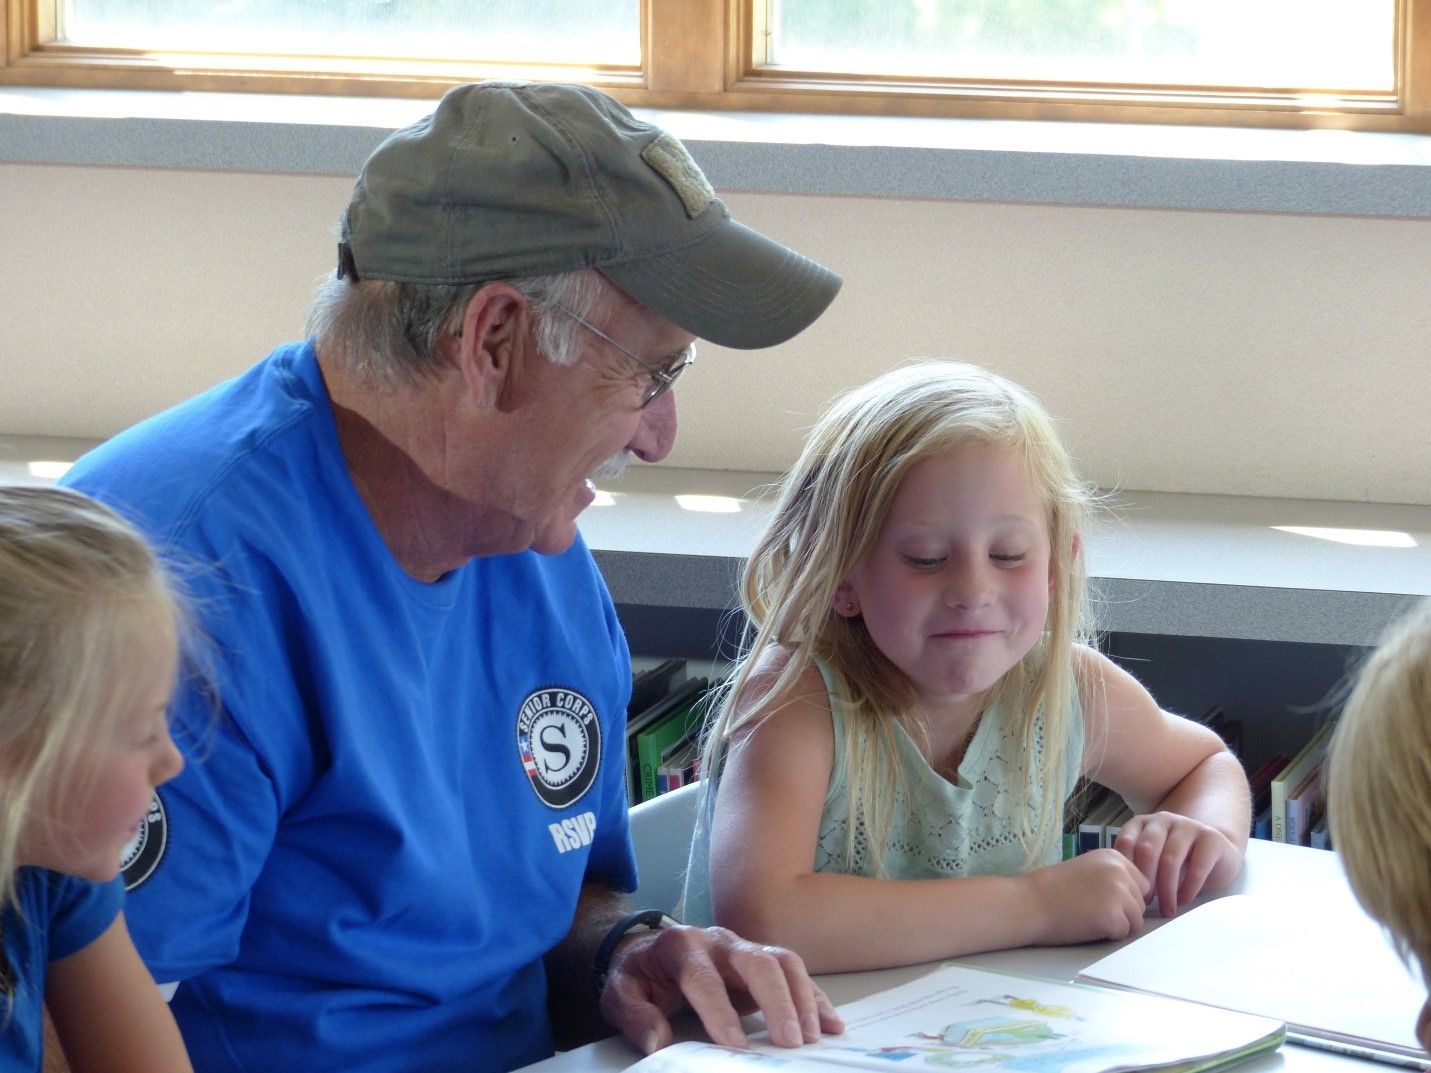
{"x": 1341, "y": 173}
{"x": 673, "y": 541}
{"x": 1167, "y": 564}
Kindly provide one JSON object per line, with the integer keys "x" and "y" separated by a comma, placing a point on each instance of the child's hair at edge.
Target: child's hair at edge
{"x": 1379, "y": 785}
{"x": 830, "y": 509}
{"x": 80, "y": 593}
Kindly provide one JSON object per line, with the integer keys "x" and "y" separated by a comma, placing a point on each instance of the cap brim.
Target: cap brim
{"x": 734, "y": 287}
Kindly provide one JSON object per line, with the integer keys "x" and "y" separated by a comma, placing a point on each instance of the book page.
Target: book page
{"x": 1312, "y": 958}
{"x": 962, "y": 1018}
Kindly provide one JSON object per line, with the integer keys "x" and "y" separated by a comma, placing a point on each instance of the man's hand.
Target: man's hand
{"x": 719, "y": 976}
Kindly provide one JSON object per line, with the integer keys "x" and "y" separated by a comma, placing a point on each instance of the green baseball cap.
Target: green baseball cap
{"x": 510, "y": 179}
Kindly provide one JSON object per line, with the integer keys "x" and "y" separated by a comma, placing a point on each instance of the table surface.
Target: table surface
{"x": 1270, "y": 867}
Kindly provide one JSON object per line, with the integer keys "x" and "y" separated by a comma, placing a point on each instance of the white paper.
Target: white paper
{"x": 1312, "y": 958}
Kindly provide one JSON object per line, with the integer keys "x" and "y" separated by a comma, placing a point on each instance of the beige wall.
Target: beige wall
{"x": 1182, "y": 351}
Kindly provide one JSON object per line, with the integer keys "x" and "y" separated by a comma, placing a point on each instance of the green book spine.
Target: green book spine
{"x": 652, "y": 742}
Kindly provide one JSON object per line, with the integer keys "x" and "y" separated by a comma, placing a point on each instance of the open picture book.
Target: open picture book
{"x": 964, "y": 1018}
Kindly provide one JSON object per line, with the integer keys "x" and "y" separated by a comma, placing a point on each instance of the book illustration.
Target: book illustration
{"x": 962, "y": 1018}
{"x": 987, "y": 1039}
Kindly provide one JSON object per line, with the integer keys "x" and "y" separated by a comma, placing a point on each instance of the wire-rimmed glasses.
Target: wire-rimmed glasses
{"x": 662, "y": 377}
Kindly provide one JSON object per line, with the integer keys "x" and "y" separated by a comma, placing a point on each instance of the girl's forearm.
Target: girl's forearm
{"x": 841, "y": 923}
{"x": 1215, "y": 793}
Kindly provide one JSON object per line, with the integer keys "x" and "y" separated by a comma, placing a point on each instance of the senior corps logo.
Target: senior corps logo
{"x": 559, "y": 741}
{"x": 146, "y": 849}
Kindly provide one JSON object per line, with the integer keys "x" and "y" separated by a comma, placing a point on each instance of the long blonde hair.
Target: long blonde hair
{"x": 80, "y": 594}
{"x": 829, "y": 512}
{"x": 1379, "y": 785}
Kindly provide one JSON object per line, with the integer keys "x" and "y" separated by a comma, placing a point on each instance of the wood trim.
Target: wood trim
{"x": 682, "y": 42}
{"x": 63, "y": 65}
{"x": 701, "y": 54}
{"x": 1415, "y": 62}
{"x": 11, "y": 34}
{"x": 753, "y": 44}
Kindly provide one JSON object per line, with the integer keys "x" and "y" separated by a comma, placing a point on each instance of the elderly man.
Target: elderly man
{"x": 420, "y": 675}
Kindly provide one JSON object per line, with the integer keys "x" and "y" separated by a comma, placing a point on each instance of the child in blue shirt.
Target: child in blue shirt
{"x": 896, "y": 749}
{"x": 88, "y": 651}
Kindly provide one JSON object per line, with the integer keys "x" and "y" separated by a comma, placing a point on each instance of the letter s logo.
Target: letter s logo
{"x": 558, "y": 744}
{"x": 552, "y": 738}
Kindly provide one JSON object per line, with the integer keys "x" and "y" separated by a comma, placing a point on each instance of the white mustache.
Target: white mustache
{"x": 615, "y": 466}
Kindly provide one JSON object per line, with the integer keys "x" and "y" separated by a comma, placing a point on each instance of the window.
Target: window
{"x": 1321, "y": 45}
{"x": 1296, "y": 63}
{"x": 540, "y": 31}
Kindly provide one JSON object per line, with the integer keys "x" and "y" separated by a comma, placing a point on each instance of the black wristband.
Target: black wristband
{"x": 651, "y": 919}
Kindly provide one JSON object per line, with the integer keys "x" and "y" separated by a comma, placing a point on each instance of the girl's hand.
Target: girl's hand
{"x": 1094, "y": 896}
{"x": 1178, "y": 856}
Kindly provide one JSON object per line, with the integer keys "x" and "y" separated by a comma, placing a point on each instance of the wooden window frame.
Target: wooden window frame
{"x": 698, "y": 55}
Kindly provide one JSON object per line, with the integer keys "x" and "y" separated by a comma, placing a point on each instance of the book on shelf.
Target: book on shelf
{"x": 1312, "y": 959}
{"x": 965, "y": 1018}
{"x": 1115, "y": 825}
{"x": 678, "y": 762}
{"x": 1085, "y": 793}
{"x": 678, "y": 722}
{"x": 1308, "y": 760}
{"x": 1259, "y": 783}
{"x": 1262, "y": 823}
{"x": 638, "y": 725}
{"x": 1304, "y": 805}
{"x": 1093, "y": 828}
{"x": 653, "y": 683}
{"x": 1073, "y": 810}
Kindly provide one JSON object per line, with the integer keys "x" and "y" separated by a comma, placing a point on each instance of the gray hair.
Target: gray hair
{"x": 389, "y": 331}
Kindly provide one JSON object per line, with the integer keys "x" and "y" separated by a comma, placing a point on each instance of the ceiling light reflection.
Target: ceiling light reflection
{"x": 49, "y": 471}
{"x": 1367, "y": 538}
{"x": 709, "y": 504}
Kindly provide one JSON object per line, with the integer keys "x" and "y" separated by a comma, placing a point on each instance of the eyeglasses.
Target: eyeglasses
{"x": 661, "y": 377}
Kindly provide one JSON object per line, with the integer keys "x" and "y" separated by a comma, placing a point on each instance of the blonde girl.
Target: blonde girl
{"x": 891, "y": 762}
{"x": 1379, "y": 791}
{"x": 88, "y": 643}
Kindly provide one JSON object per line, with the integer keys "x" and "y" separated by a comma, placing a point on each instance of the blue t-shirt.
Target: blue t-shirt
{"x": 61, "y": 916}
{"x": 388, "y": 823}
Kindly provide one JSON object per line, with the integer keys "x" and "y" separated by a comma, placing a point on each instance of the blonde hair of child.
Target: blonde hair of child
{"x": 81, "y": 594}
{"x": 1379, "y": 785}
{"x": 829, "y": 512}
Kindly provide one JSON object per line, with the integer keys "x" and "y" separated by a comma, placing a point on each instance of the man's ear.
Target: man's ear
{"x": 492, "y": 343}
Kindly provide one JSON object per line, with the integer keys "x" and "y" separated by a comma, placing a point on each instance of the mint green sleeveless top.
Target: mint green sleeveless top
{"x": 964, "y": 827}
